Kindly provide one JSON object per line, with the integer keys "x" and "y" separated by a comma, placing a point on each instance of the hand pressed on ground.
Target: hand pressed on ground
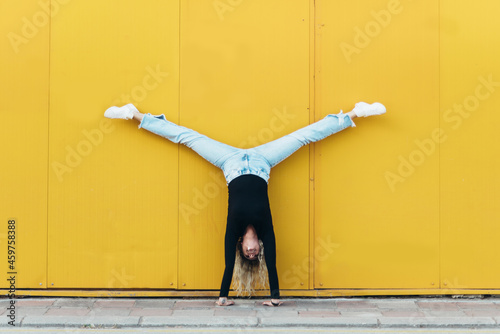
{"x": 273, "y": 302}
{"x": 224, "y": 302}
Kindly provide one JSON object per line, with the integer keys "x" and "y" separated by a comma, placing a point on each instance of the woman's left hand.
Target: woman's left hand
{"x": 276, "y": 302}
{"x": 224, "y": 302}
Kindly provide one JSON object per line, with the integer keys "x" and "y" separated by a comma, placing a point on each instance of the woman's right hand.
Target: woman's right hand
{"x": 273, "y": 302}
{"x": 224, "y": 302}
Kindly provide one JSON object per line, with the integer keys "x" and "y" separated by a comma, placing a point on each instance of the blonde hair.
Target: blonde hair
{"x": 249, "y": 275}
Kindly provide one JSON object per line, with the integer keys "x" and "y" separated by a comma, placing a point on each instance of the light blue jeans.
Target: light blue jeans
{"x": 236, "y": 161}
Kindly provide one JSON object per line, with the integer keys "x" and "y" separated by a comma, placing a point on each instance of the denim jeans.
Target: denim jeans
{"x": 236, "y": 161}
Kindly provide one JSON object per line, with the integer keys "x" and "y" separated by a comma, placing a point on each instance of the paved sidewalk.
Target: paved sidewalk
{"x": 430, "y": 312}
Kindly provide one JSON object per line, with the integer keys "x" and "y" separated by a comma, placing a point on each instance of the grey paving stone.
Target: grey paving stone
{"x": 150, "y": 311}
{"x": 78, "y": 321}
{"x": 34, "y": 302}
{"x": 114, "y": 303}
{"x": 201, "y": 321}
{"x": 355, "y": 304}
{"x": 402, "y": 313}
{"x": 4, "y": 302}
{"x": 355, "y": 312}
{"x": 319, "y": 313}
{"x": 108, "y": 311}
{"x": 402, "y": 321}
{"x": 22, "y": 311}
{"x": 483, "y": 313}
{"x": 4, "y": 323}
{"x": 478, "y": 305}
{"x": 444, "y": 313}
{"x": 232, "y": 312}
{"x": 436, "y": 321}
{"x": 316, "y": 304}
{"x": 317, "y": 321}
{"x": 286, "y": 304}
{"x": 246, "y": 304}
{"x": 192, "y": 313}
{"x": 360, "y": 313}
{"x": 154, "y": 303}
{"x": 438, "y": 305}
{"x": 74, "y": 302}
{"x": 277, "y": 312}
{"x": 69, "y": 311}
{"x": 246, "y": 301}
{"x": 194, "y": 304}
{"x": 394, "y": 304}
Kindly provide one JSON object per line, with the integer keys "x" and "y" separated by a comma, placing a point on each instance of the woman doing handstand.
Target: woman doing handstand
{"x": 249, "y": 228}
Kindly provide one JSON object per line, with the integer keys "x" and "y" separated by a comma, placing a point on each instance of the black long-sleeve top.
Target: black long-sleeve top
{"x": 249, "y": 205}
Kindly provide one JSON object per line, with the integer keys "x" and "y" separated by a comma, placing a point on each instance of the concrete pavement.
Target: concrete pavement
{"x": 433, "y": 312}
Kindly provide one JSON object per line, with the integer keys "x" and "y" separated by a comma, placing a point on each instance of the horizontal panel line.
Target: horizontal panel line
{"x": 262, "y": 293}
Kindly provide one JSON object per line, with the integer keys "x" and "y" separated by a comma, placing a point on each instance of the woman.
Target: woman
{"x": 249, "y": 227}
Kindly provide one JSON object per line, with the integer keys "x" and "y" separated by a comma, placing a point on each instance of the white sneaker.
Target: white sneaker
{"x": 125, "y": 112}
{"x": 363, "y": 109}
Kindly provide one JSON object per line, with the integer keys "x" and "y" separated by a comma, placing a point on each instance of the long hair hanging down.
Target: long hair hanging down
{"x": 249, "y": 275}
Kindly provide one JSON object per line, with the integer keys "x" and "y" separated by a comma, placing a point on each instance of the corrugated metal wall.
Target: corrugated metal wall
{"x": 404, "y": 203}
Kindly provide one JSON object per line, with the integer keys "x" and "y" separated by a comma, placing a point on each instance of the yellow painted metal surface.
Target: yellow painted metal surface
{"x": 470, "y": 185}
{"x": 24, "y": 107}
{"x": 402, "y": 204}
{"x": 112, "y": 188}
{"x": 377, "y": 220}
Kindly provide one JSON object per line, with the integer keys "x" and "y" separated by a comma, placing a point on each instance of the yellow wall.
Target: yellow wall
{"x": 24, "y": 107}
{"x": 404, "y": 203}
{"x": 386, "y": 234}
